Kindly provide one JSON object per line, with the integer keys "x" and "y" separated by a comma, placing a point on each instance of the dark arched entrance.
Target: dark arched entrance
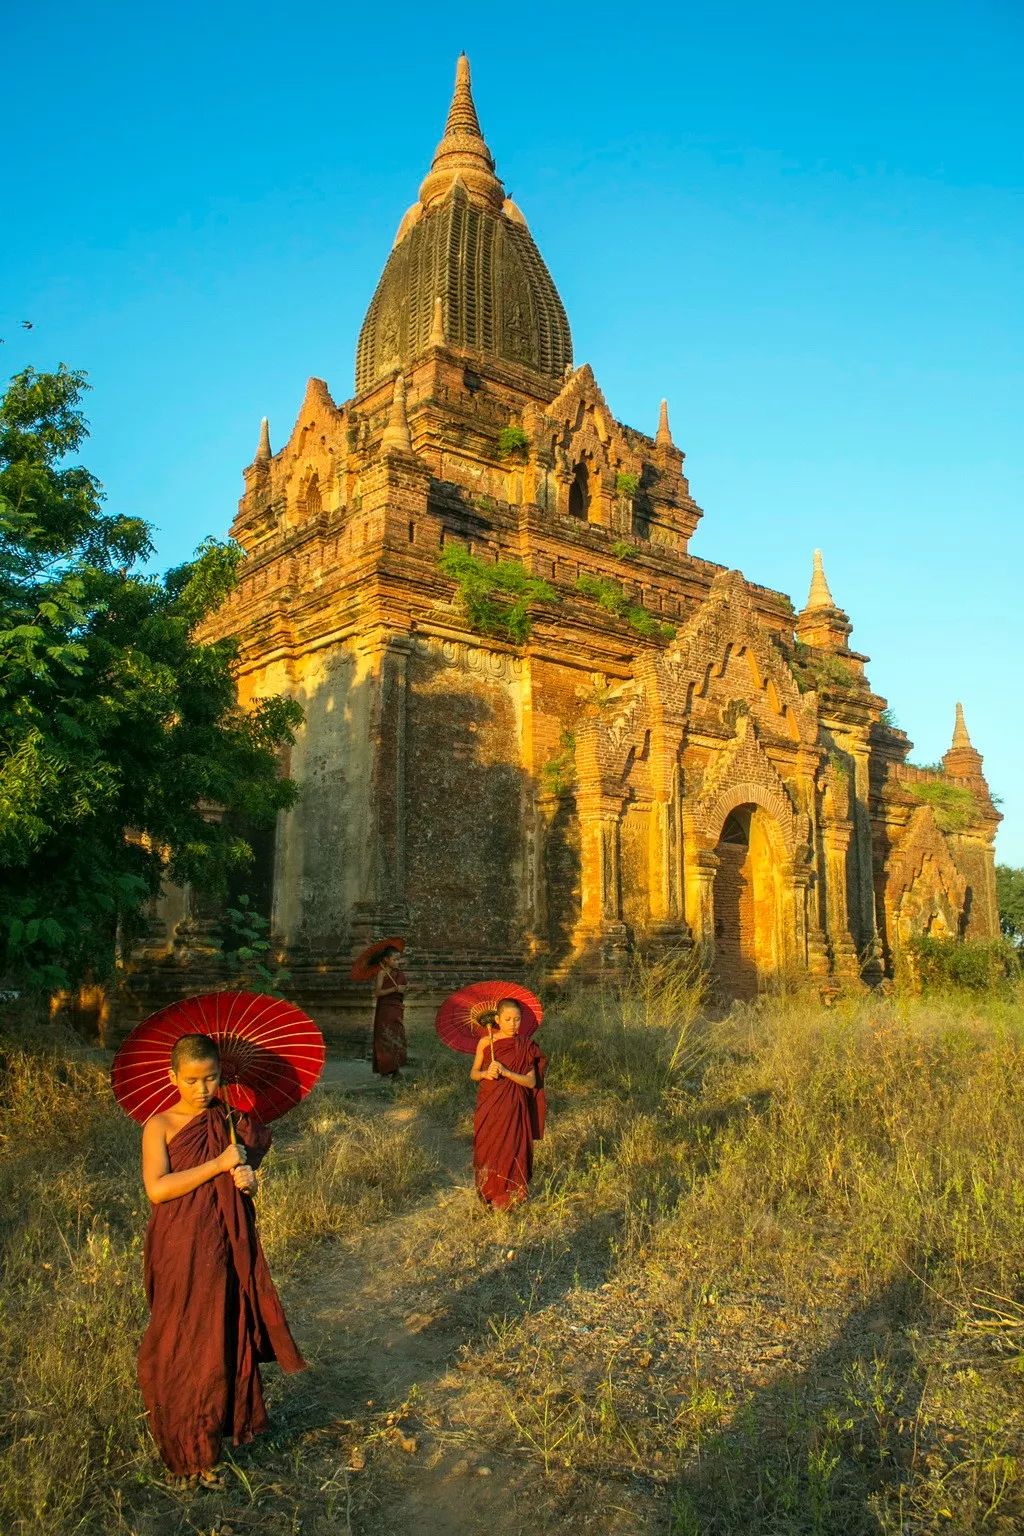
{"x": 748, "y": 949}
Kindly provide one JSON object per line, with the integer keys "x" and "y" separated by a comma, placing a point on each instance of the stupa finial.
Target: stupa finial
{"x": 663, "y": 436}
{"x": 819, "y": 596}
{"x": 960, "y": 735}
{"x": 462, "y": 154}
{"x": 263, "y": 453}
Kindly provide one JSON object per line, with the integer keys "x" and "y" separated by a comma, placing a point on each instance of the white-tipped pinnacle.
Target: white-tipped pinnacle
{"x": 819, "y": 596}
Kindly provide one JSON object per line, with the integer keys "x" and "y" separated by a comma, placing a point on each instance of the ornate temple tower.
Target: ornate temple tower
{"x": 662, "y": 754}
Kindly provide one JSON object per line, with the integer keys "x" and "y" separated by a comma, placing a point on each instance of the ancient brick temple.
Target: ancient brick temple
{"x": 670, "y": 756}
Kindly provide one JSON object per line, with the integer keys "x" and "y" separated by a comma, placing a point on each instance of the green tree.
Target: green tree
{"x": 1010, "y": 895}
{"x": 123, "y": 751}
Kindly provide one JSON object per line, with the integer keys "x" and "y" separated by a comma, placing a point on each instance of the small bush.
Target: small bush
{"x": 512, "y": 442}
{"x": 953, "y": 805}
{"x": 976, "y": 965}
{"x": 615, "y": 601}
{"x": 819, "y": 670}
{"x": 626, "y": 484}
{"x": 497, "y": 597}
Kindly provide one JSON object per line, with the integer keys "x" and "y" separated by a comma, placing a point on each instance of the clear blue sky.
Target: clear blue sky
{"x": 802, "y": 223}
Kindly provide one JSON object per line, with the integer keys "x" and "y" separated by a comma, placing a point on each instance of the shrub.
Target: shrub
{"x": 819, "y": 670}
{"x": 626, "y": 484}
{"x": 953, "y": 805}
{"x": 615, "y": 601}
{"x": 512, "y": 442}
{"x": 497, "y": 597}
{"x": 976, "y": 965}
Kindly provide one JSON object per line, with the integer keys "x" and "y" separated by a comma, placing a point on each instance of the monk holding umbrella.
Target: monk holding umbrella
{"x": 379, "y": 963}
{"x": 203, "y": 1076}
{"x": 494, "y": 1021}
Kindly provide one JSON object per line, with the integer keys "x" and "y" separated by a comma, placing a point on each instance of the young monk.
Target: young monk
{"x": 214, "y": 1312}
{"x": 510, "y": 1108}
{"x": 389, "y": 989}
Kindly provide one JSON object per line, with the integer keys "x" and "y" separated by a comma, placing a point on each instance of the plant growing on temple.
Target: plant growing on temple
{"x": 626, "y": 484}
{"x": 512, "y": 443}
{"x": 953, "y": 805}
{"x": 245, "y": 945}
{"x": 558, "y": 775}
{"x": 615, "y": 601}
{"x": 496, "y": 596}
{"x": 121, "y": 739}
{"x": 818, "y": 670}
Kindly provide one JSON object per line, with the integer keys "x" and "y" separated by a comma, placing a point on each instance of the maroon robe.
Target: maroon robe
{"x": 389, "y": 1047}
{"x": 509, "y": 1119}
{"x": 214, "y": 1312}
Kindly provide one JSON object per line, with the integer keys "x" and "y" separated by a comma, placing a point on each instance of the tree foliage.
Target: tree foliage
{"x": 1010, "y": 895}
{"x": 123, "y": 751}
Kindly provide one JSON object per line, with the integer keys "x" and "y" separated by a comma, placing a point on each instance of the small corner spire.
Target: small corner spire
{"x": 960, "y": 736}
{"x": 819, "y": 596}
{"x": 396, "y": 433}
{"x": 663, "y": 436}
{"x": 437, "y": 324}
{"x": 263, "y": 453}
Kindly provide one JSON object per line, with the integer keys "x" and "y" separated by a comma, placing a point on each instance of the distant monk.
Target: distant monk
{"x": 389, "y": 989}
{"x": 214, "y": 1312}
{"x": 510, "y": 1109}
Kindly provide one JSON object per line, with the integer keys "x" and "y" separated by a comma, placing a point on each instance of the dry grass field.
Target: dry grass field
{"x": 771, "y": 1279}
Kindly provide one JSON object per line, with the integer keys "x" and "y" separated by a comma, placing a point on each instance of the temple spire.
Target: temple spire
{"x": 462, "y": 155}
{"x": 437, "y": 325}
{"x": 663, "y": 436}
{"x": 819, "y": 596}
{"x": 263, "y": 453}
{"x": 960, "y": 736}
{"x": 962, "y": 760}
{"x": 396, "y": 433}
{"x": 462, "y": 116}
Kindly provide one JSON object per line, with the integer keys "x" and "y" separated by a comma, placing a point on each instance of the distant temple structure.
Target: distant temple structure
{"x": 656, "y": 753}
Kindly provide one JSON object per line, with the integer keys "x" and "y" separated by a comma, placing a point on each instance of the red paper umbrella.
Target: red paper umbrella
{"x": 271, "y": 1054}
{"x": 366, "y": 965}
{"x": 464, "y": 1017}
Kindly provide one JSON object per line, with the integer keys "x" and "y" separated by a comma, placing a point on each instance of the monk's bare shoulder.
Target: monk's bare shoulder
{"x": 159, "y": 1128}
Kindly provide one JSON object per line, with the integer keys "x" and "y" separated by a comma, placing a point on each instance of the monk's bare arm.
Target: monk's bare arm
{"x": 524, "y": 1079}
{"x": 478, "y": 1072}
{"x": 161, "y": 1184}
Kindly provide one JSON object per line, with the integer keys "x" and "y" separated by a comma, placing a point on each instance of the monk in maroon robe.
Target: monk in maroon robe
{"x": 510, "y": 1109}
{"x": 214, "y": 1312}
{"x": 389, "y": 1043}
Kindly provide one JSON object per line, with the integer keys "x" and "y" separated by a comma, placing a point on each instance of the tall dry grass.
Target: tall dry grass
{"x": 72, "y": 1310}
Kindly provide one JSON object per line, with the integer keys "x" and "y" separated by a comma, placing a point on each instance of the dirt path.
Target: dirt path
{"x": 385, "y": 1340}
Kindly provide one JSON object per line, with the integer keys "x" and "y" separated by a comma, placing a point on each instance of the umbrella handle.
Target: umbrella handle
{"x": 231, "y": 1128}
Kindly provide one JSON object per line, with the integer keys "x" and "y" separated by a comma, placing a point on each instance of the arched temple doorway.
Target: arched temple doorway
{"x": 747, "y": 901}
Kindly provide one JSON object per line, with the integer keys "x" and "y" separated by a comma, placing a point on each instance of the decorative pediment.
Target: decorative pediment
{"x": 579, "y": 424}
{"x": 925, "y": 891}
{"x": 722, "y": 655}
